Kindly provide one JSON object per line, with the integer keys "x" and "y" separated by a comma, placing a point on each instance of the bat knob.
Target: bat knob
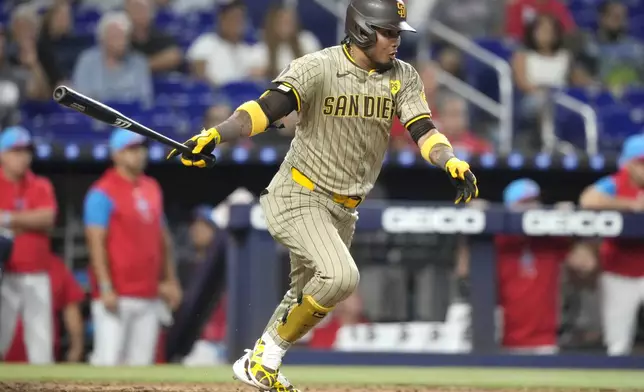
{"x": 60, "y": 92}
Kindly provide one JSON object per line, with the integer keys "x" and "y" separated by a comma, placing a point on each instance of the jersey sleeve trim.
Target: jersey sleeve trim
{"x": 607, "y": 186}
{"x": 297, "y": 95}
{"x": 98, "y": 209}
{"x": 419, "y": 117}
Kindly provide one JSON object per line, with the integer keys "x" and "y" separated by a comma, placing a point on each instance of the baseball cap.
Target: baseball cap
{"x": 519, "y": 190}
{"x": 14, "y": 137}
{"x": 633, "y": 149}
{"x": 205, "y": 213}
{"x": 122, "y": 138}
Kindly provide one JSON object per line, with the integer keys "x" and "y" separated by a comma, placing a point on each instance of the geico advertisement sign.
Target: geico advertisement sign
{"x": 447, "y": 220}
{"x": 577, "y": 223}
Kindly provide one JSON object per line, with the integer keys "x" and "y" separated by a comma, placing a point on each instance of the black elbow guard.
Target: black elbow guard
{"x": 419, "y": 128}
{"x": 277, "y": 104}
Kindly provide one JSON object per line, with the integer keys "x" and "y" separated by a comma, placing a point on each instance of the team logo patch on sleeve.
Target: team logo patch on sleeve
{"x": 284, "y": 88}
{"x": 395, "y": 86}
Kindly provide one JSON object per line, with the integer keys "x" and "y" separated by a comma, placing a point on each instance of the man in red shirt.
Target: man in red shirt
{"x": 67, "y": 295}
{"x": 528, "y": 270}
{"x": 520, "y": 13}
{"x": 132, "y": 262}
{"x": 622, "y": 279}
{"x": 28, "y": 212}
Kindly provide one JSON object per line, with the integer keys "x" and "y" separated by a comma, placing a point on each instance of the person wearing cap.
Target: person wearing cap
{"x": 27, "y": 213}
{"x": 132, "y": 262}
{"x": 528, "y": 273}
{"x": 622, "y": 278}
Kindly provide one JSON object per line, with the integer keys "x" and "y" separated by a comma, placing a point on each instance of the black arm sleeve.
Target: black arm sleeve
{"x": 277, "y": 104}
{"x": 419, "y": 128}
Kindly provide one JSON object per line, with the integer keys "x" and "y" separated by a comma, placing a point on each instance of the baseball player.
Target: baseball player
{"x": 622, "y": 279}
{"x": 28, "y": 210}
{"x": 346, "y": 97}
{"x": 67, "y": 294}
{"x": 132, "y": 262}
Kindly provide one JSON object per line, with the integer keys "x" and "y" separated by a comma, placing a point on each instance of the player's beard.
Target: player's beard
{"x": 380, "y": 67}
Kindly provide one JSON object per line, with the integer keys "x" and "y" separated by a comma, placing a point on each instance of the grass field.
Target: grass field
{"x": 78, "y": 377}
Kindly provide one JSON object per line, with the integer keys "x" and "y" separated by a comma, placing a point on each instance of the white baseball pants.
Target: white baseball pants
{"x": 28, "y": 296}
{"x": 127, "y": 337}
{"x": 621, "y": 297}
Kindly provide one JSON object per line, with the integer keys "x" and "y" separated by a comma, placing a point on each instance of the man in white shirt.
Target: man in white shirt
{"x": 223, "y": 57}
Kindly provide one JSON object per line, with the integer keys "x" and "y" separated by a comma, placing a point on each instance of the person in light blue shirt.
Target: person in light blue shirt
{"x": 110, "y": 71}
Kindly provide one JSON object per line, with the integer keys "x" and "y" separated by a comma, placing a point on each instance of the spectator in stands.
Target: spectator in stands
{"x": 284, "y": 40}
{"x": 542, "y": 64}
{"x": 111, "y": 71}
{"x": 162, "y": 51}
{"x": 472, "y": 18}
{"x": 224, "y": 57}
{"x": 67, "y": 295}
{"x": 57, "y": 34}
{"x": 15, "y": 86}
{"x": 522, "y": 13}
{"x": 613, "y": 55}
{"x": 216, "y": 114}
{"x": 131, "y": 255}
{"x": 454, "y": 123}
{"x": 622, "y": 260}
{"x": 22, "y": 51}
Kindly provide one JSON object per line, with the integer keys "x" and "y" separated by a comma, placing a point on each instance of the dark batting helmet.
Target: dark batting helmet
{"x": 365, "y": 16}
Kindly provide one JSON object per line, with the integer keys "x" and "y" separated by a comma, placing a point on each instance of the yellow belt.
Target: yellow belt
{"x": 346, "y": 201}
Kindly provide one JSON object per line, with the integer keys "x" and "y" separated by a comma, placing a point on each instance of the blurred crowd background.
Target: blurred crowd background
{"x": 575, "y": 70}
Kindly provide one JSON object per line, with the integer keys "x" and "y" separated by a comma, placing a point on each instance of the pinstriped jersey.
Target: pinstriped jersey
{"x": 345, "y": 117}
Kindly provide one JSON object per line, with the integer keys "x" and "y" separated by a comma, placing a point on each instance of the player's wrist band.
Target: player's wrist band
{"x": 258, "y": 119}
{"x": 428, "y": 145}
{"x": 5, "y": 219}
{"x": 106, "y": 287}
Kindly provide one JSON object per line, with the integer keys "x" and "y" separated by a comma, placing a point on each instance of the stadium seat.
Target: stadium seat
{"x": 620, "y": 122}
{"x": 634, "y": 96}
{"x": 240, "y": 92}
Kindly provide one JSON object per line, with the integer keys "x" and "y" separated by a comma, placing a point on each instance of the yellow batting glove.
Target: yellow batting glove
{"x": 463, "y": 179}
{"x": 203, "y": 143}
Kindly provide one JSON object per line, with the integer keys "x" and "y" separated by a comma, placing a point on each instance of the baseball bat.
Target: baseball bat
{"x": 81, "y": 103}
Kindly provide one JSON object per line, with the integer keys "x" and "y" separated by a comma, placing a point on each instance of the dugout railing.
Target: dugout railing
{"x": 254, "y": 276}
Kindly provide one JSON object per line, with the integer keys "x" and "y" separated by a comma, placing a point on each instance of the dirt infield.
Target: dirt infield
{"x": 235, "y": 387}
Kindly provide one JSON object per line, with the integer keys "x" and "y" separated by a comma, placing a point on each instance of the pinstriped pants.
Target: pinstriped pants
{"x": 318, "y": 233}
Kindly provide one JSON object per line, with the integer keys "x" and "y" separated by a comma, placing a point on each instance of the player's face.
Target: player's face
{"x": 526, "y": 204}
{"x": 134, "y": 159}
{"x": 636, "y": 170}
{"x": 383, "y": 53}
{"x": 201, "y": 234}
{"x": 16, "y": 162}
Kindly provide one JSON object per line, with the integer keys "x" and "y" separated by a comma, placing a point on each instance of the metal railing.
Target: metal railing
{"x": 505, "y": 107}
{"x": 587, "y": 113}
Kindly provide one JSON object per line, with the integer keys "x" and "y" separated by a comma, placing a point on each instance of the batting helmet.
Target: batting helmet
{"x": 364, "y": 16}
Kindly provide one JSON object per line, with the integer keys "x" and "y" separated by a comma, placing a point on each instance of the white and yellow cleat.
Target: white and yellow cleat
{"x": 241, "y": 373}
